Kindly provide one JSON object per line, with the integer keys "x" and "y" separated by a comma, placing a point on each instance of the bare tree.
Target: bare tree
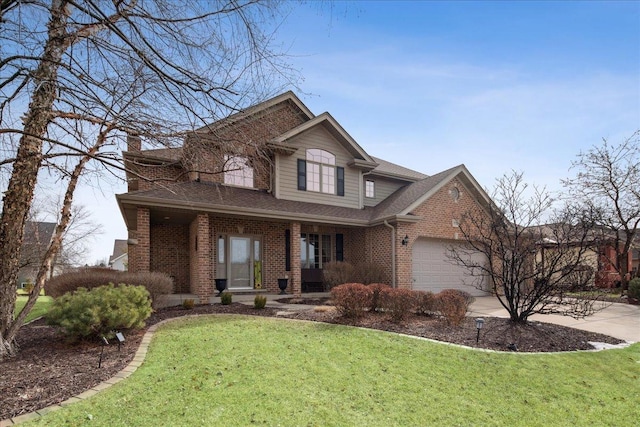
{"x": 79, "y": 234}
{"x": 607, "y": 185}
{"x": 77, "y": 75}
{"x": 532, "y": 255}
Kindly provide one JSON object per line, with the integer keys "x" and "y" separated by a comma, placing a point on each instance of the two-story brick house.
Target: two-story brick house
{"x": 277, "y": 192}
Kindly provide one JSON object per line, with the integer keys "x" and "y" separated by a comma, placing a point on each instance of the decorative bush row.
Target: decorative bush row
{"x": 338, "y": 272}
{"x": 100, "y": 311}
{"x": 156, "y": 283}
{"x": 354, "y": 299}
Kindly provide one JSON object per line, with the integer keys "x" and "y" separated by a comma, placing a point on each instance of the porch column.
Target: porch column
{"x": 200, "y": 258}
{"x": 139, "y": 244}
{"x": 295, "y": 259}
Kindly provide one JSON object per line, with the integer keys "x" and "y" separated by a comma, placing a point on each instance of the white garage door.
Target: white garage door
{"x": 432, "y": 270}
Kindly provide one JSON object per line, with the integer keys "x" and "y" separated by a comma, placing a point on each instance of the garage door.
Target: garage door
{"x": 432, "y": 270}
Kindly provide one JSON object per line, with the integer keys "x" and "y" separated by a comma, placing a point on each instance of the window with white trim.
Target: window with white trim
{"x": 370, "y": 189}
{"x": 321, "y": 171}
{"x": 237, "y": 171}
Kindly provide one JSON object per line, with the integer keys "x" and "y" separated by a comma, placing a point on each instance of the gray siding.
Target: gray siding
{"x": 287, "y": 171}
{"x": 383, "y": 189}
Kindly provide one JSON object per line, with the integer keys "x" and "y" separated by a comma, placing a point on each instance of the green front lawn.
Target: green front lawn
{"x": 41, "y": 307}
{"x": 240, "y": 371}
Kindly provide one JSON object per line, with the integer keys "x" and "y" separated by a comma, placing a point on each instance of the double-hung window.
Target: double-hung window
{"x": 370, "y": 189}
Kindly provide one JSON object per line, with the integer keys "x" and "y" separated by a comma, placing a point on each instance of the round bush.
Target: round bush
{"x": 100, "y": 311}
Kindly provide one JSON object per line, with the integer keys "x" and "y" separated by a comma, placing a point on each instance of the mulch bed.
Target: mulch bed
{"x": 49, "y": 370}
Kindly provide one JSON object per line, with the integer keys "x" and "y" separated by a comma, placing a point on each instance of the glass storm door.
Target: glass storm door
{"x": 240, "y": 262}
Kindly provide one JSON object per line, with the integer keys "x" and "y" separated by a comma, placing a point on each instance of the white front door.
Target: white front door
{"x": 239, "y": 263}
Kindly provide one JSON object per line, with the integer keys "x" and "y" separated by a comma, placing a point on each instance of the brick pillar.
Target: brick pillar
{"x": 200, "y": 258}
{"x": 140, "y": 244}
{"x": 295, "y": 259}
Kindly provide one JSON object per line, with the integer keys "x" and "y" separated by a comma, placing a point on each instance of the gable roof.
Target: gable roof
{"x": 120, "y": 248}
{"x": 38, "y": 232}
{"x": 408, "y": 198}
{"x": 288, "y": 96}
{"x": 333, "y": 127}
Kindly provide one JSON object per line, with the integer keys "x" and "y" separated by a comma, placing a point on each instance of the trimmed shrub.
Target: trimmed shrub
{"x": 260, "y": 301}
{"x": 337, "y": 273}
{"x": 188, "y": 303}
{"x": 398, "y": 303}
{"x": 369, "y": 273}
{"x": 156, "y": 283}
{"x": 633, "y": 293}
{"x": 87, "y": 278}
{"x": 226, "y": 298}
{"x": 453, "y": 305}
{"x": 376, "y": 288}
{"x": 100, "y": 311}
{"x": 425, "y": 302}
{"x": 351, "y": 299}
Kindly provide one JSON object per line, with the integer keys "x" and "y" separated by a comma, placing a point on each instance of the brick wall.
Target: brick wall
{"x": 244, "y": 138}
{"x": 155, "y": 175}
{"x": 139, "y": 255}
{"x": 200, "y": 258}
{"x": 170, "y": 254}
{"x": 296, "y": 286}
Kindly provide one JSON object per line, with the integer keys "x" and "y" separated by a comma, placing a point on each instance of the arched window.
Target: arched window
{"x": 321, "y": 171}
{"x": 238, "y": 172}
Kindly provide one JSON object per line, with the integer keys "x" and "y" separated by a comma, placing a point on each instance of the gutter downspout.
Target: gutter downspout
{"x": 393, "y": 253}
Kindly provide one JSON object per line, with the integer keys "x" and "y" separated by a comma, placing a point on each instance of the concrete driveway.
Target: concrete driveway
{"x": 617, "y": 320}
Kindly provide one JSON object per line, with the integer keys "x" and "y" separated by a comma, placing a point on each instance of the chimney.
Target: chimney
{"x": 134, "y": 142}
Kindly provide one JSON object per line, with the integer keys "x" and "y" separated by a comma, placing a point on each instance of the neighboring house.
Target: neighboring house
{"x": 37, "y": 237}
{"x": 119, "y": 260}
{"x": 311, "y": 196}
{"x": 607, "y": 275}
{"x": 598, "y": 257}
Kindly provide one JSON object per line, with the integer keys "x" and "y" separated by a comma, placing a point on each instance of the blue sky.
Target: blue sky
{"x": 429, "y": 85}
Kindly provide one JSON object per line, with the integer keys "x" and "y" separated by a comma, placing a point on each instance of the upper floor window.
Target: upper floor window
{"x": 237, "y": 171}
{"x": 318, "y": 172}
{"x": 370, "y": 189}
{"x": 321, "y": 171}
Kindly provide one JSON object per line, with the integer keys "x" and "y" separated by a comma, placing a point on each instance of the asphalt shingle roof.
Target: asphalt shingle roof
{"x": 213, "y": 196}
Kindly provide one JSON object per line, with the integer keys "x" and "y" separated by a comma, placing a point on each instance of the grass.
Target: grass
{"x": 41, "y": 307}
{"x": 234, "y": 370}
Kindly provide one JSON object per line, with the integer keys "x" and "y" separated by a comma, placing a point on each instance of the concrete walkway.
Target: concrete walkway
{"x": 617, "y": 320}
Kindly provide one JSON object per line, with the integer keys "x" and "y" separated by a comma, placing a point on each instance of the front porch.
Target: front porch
{"x": 251, "y": 255}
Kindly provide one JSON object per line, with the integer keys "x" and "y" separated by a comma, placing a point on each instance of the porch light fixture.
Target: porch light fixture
{"x": 405, "y": 241}
{"x": 479, "y": 325}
